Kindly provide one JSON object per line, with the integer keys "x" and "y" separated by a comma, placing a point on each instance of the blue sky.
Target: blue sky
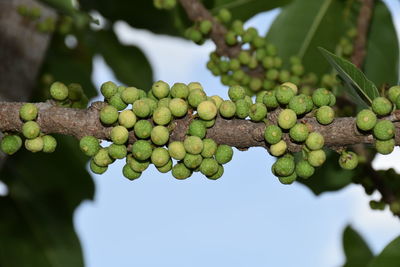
{"x": 246, "y": 218}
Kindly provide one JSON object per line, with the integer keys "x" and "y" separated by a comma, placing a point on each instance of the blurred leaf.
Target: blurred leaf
{"x": 128, "y": 63}
{"x": 66, "y": 6}
{"x": 389, "y": 257}
{"x": 356, "y": 250}
{"x": 358, "y": 84}
{"x": 36, "y": 227}
{"x": 382, "y": 60}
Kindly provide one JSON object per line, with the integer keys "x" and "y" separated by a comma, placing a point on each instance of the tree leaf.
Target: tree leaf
{"x": 128, "y": 62}
{"x": 356, "y": 81}
{"x": 36, "y": 227}
{"x": 389, "y": 257}
{"x": 356, "y": 250}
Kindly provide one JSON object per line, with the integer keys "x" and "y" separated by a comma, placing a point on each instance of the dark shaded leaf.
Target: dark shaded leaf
{"x": 389, "y": 257}
{"x": 356, "y": 250}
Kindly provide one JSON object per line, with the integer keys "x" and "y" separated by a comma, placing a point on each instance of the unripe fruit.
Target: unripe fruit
{"x": 143, "y": 129}
{"x": 260, "y": 96}
{"x": 315, "y": 141}
{"x": 197, "y": 128}
{"x": 218, "y": 174}
{"x": 96, "y": 168}
{"x": 316, "y": 157}
{"x": 151, "y": 103}
{"x": 192, "y": 161}
{"x": 236, "y": 92}
{"x": 257, "y": 112}
{"x": 207, "y": 110}
{"x": 30, "y": 129}
{"x": 209, "y": 167}
{"x": 242, "y": 108}
{"x": 227, "y": 109}
{"x": 34, "y": 145}
{"x": 366, "y": 120}
{"x": 166, "y": 168}
{"x": 393, "y": 93}
{"x": 284, "y": 166}
{"x": 130, "y": 95}
{"x": 179, "y": 90}
{"x": 284, "y": 94}
{"x": 270, "y": 101}
{"x": 382, "y": 106}
{"x": 385, "y": 147}
{"x": 177, "y": 150}
{"x": 159, "y": 135}
{"x": 141, "y": 150}
{"x": 224, "y": 15}
{"x": 287, "y": 119}
{"x": 75, "y": 91}
{"x": 28, "y": 112}
{"x": 162, "y": 116}
{"x": 272, "y": 134}
{"x": 11, "y": 144}
{"x": 230, "y": 38}
{"x": 164, "y": 102}
{"x": 209, "y": 148}
{"x": 117, "y": 151}
{"x": 325, "y": 115}
{"x": 180, "y": 172}
{"x": 102, "y": 158}
{"x": 108, "y": 114}
{"x": 332, "y": 101}
{"x": 178, "y": 107}
{"x": 196, "y": 97}
{"x": 304, "y": 169}
{"x": 384, "y": 130}
{"x": 141, "y": 108}
{"x": 223, "y": 154}
{"x": 321, "y": 97}
{"x": 217, "y": 100}
{"x": 309, "y": 104}
{"x": 205, "y": 26}
{"x": 137, "y": 165}
{"x": 160, "y": 89}
{"x": 288, "y": 179}
{"x": 195, "y": 86}
{"x": 160, "y": 157}
{"x": 49, "y": 144}
{"x": 129, "y": 173}
{"x": 117, "y": 102}
{"x": 108, "y": 89}
{"x": 298, "y": 104}
{"x": 89, "y": 145}
{"x": 278, "y": 149}
{"x": 59, "y": 91}
{"x": 193, "y": 144}
{"x": 119, "y": 135}
{"x": 299, "y": 132}
{"x": 127, "y": 119}
{"x": 348, "y": 160}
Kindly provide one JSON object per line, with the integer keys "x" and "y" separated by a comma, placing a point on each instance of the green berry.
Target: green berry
{"x": 194, "y": 86}
{"x": 192, "y": 161}
{"x": 75, "y": 91}
{"x": 298, "y": 104}
{"x": 180, "y": 171}
{"x": 257, "y": 112}
{"x": 207, "y": 110}
{"x": 89, "y": 145}
{"x": 237, "y": 27}
{"x": 193, "y": 144}
{"x": 384, "y": 130}
{"x": 217, "y": 100}
{"x": 315, "y": 141}
{"x": 160, "y": 89}
{"x": 325, "y": 115}
{"x": 35, "y": 144}
{"x": 382, "y": 106}
{"x": 127, "y": 119}
{"x": 129, "y": 173}
{"x": 102, "y": 158}
{"x": 205, "y": 26}
{"x": 119, "y": 135}
{"x": 162, "y": 116}
{"x": 96, "y": 168}
{"x": 272, "y": 74}
{"x": 299, "y": 132}
{"x": 141, "y": 108}
{"x": 224, "y": 15}
{"x": 178, "y": 107}
{"x": 278, "y": 149}
{"x": 180, "y": 90}
{"x": 209, "y": 167}
{"x": 270, "y": 100}
{"x": 49, "y": 144}
{"x": 108, "y": 89}
{"x": 166, "y": 168}
{"x": 117, "y": 102}
{"x": 143, "y": 129}
{"x": 218, "y": 174}
{"x": 130, "y": 95}
{"x": 30, "y": 129}
{"x": 177, "y": 150}
{"x": 10, "y": 144}
{"x": 59, "y": 91}
{"x": 348, "y": 160}
{"x": 260, "y": 96}
{"x": 385, "y": 147}
{"x": 227, "y": 109}
{"x": 366, "y": 120}
{"x": 197, "y": 128}
{"x": 230, "y": 38}
{"x": 284, "y": 166}
{"x": 117, "y": 151}
{"x": 209, "y": 148}
{"x": 321, "y": 97}
{"x": 159, "y": 135}
{"x": 224, "y": 154}
{"x": 393, "y": 93}
{"x": 137, "y": 165}
{"x": 28, "y": 112}
{"x": 141, "y": 150}
{"x": 288, "y": 179}
{"x": 287, "y": 119}
{"x": 284, "y": 75}
{"x": 316, "y": 157}
{"x": 304, "y": 169}
{"x": 196, "y": 97}
{"x": 242, "y": 108}
{"x": 108, "y": 114}
{"x": 284, "y": 94}
{"x": 272, "y": 134}
{"x": 160, "y": 157}
{"x": 164, "y": 102}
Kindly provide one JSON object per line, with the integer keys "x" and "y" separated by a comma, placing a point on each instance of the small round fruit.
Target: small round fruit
{"x": 141, "y": 108}
{"x": 299, "y": 132}
{"x": 270, "y": 101}
{"x": 325, "y": 115}
{"x": 75, "y": 91}
{"x": 28, "y": 112}
{"x": 180, "y": 171}
{"x": 49, "y": 144}
{"x": 108, "y": 114}
{"x": 89, "y": 145}
{"x": 348, "y": 160}
{"x": 117, "y": 102}
{"x": 195, "y": 86}
{"x": 393, "y": 93}
{"x": 284, "y": 94}
{"x": 291, "y": 86}
{"x": 117, "y": 151}
{"x": 197, "y": 128}
{"x": 159, "y": 135}
{"x": 257, "y": 112}
{"x": 304, "y": 169}
{"x": 127, "y": 119}
{"x": 160, "y": 89}
{"x": 177, "y": 150}
{"x": 224, "y": 154}
{"x": 315, "y": 141}
{"x": 141, "y": 150}
{"x": 209, "y": 148}
{"x": 30, "y": 129}
{"x": 242, "y": 108}
{"x": 236, "y": 92}
{"x": 382, "y": 106}
{"x": 193, "y": 144}
{"x": 59, "y": 91}
{"x": 384, "y": 130}
{"x": 143, "y": 129}
{"x": 287, "y": 119}
{"x": 192, "y": 161}
{"x": 119, "y": 135}
{"x": 207, "y": 110}
{"x": 137, "y": 165}
{"x": 321, "y": 97}
{"x": 284, "y": 166}
{"x": 180, "y": 90}
{"x": 129, "y": 173}
{"x": 96, "y": 168}
{"x": 108, "y": 89}
{"x": 34, "y": 145}
{"x": 298, "y": 104}
{"x": 129, "y": 95}
{"x": 196, "y": 97}
{"x": 227, "y": 109}
{"x": 209, "y": 166}
{"x": 160, "y": 157}
{"x": 178, "y": 107}
{"x": 385, "y": 147}
{"x": 102, "y": 158}
{"x": 316, "y": 157}
{"x": 166, "y": 168}
{"x": 272, "y": 134}
{"x": 366, "y": 120}
{"x": 10, "y": 144}
{"x": 162, "y": 116}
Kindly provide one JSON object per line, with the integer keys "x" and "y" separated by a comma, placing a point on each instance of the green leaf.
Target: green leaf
{"x": 356, "y": 250}
{"x": 36, "y": 226}
{"x": 66, "y": 6}
{"x": 389, "y": 257}
{"x": 128, "y": 62}
{"x": 382, "y": 61}
{"x": 357, "y": 83}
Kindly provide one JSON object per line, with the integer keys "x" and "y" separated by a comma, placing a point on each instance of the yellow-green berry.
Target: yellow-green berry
{"x": 299, "y": 132}
{"x": 59, "y": 91}
{"x": 119, "y": 135}
{"x": 325, "y": 115}
{"x": 137, "y": 165}
{"x": 384, "y": 130}
{"x": 218, "y": 174}
{"x": 287, "y": 119}
{"x": 257, "y": 112}
{"x": 160, "y": 89}
{"x": 49, "y": 144}
{"x": 270, "y": 101}
{"x": 385, "y": 147}
{"x": 28, "y": 112}
{"x": 284, "y": 94}
{"x": 75, "y": 91}
{"x": 117, "y": 151}
{"x": 192, "y": 161}
{"x": 382, "y": 106}
{"x": 108, "y": 89}
{"x": 209, "y": 148}
{"x": 178, "y": 107}
{"x": 272, "y": 134}
{"x": 180, "y": 171}
{"x": 141, "y": 108}
{"x": 304, "y": 169}
{"x": 129, "y": 173}
{"x": 393, "y": 93}
{"x": 348, "y": 160}
{"x": 316, "y": 157}
{"x": 10, "y": 144}
{"x": 195, "y": 86}
{"x": 242, "y": 108}
{"x": 35, "y": 144}
{"x": 141, "y": 150}
{"x": 321, "y": 97}
{"x": 96, "y": 168}
{"x": 166, "y": 168}
{"x": 162, "y": 116}
{"x": 223, "y": 154}
{"x": 127, "y": 118}
{"x": 177, "y": 150}
{"x": 366, "y": 120}
{"x": 209, "y": 166}
{"x": 159, "y": 135}
{"x": 193, "y": 144}
{"x": 102, "y": 158}
{"x": 205, "y": 26}
{"x": 315, "y": 141}
{"x": 160, "y": 156}
{"x": 227, "y": 109}
{"x": 278, "y": 149}
{"x": 207, "y": 110}
{"x": 284, "y": 166}
{"x": 143, "y": 129}
{"x": 130, "y": 95}
{"x": 196, "y": 97}
{"x": 108, "y": 114}
{"x": 180, "y": 90}
{"x": 197, "y": 128}
{"x": 89, "y": 145}
{"x": 30, "y": 129}
{"x": 236, "y": 92}
{"x": 117, "y": 102}
{"x": 288, "y": 179}
{"x": 298, "y": 104}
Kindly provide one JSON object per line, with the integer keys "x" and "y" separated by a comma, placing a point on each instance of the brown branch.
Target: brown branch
{"x": 363, "y": 23}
